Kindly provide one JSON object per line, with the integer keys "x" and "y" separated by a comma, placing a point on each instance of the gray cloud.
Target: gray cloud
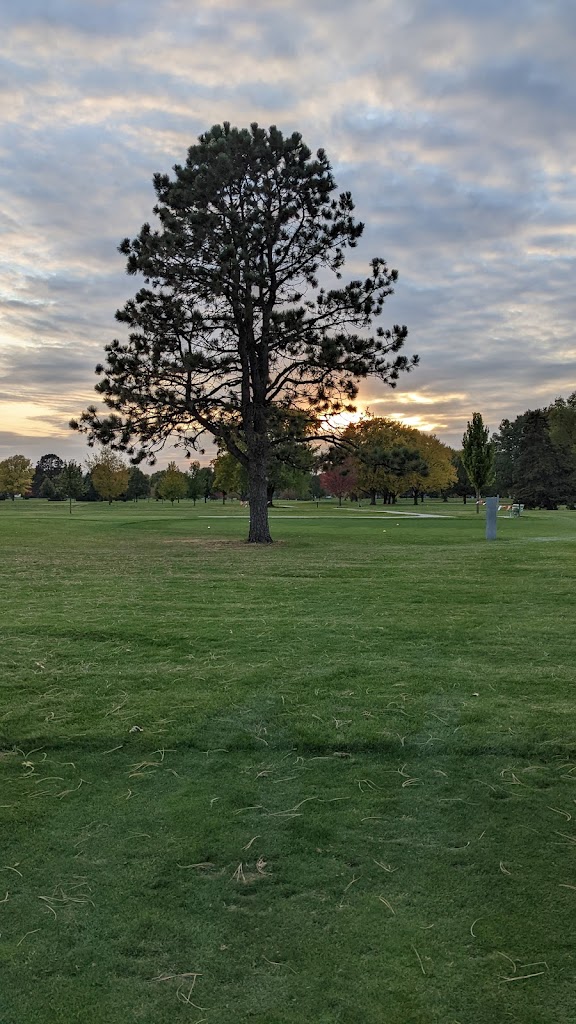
{"x": 35, "y": 446}
{"x": 107, "y": 18}
{"x": 451, "y": 121}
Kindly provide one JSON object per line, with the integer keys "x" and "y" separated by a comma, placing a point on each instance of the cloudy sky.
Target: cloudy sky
{"x": 451, "y": 121}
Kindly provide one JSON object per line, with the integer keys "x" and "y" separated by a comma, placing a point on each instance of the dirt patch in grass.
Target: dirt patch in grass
{"x": 223, "y": 542}
{"x": 207, "y": 542}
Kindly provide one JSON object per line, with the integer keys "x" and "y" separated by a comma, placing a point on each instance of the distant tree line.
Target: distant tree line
{"x": 376, "y": 458}
{"x": 106, "y": 478}
{"x": 531, "y": 460}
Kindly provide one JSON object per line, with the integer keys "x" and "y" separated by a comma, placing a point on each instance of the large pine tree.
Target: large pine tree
{"x": 232, "y": 321}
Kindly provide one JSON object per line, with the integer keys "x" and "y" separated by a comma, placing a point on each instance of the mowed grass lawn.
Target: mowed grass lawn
{"x": 351, "y": 795}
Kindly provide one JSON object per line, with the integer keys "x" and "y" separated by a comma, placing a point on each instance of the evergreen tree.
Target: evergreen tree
{"x": 231, "y": 320}
{"x": 544, "y": 474}
{"x": 138, "y": 485}
{"x": 478, "y": 456}
{"x": 89, "y": 492}
{"x": 561, "y": 416}
{"x": 507, "y": 444}
{"x": 535, "y": 455}
{"x": 47, "y": 489}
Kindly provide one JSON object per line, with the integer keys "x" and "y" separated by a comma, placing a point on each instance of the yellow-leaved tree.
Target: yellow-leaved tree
{"x": 16, "y": 474}
{"x": 109, "y": 475}
{"x": 376, "y": 444}
{"x": 438, "y": 457}
{"x": 173, "y": 485}
{"x": 393, "y": 459}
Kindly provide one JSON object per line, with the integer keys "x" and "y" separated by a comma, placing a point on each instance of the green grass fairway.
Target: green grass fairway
{"x": 351, "y": 796}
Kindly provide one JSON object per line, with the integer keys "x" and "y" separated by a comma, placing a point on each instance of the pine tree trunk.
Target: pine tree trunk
{"x": 477, "y": 502}
{"x": 372, "y": 497}
{"x": 415, "y": 497}
{"x": 259, "y": 532}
